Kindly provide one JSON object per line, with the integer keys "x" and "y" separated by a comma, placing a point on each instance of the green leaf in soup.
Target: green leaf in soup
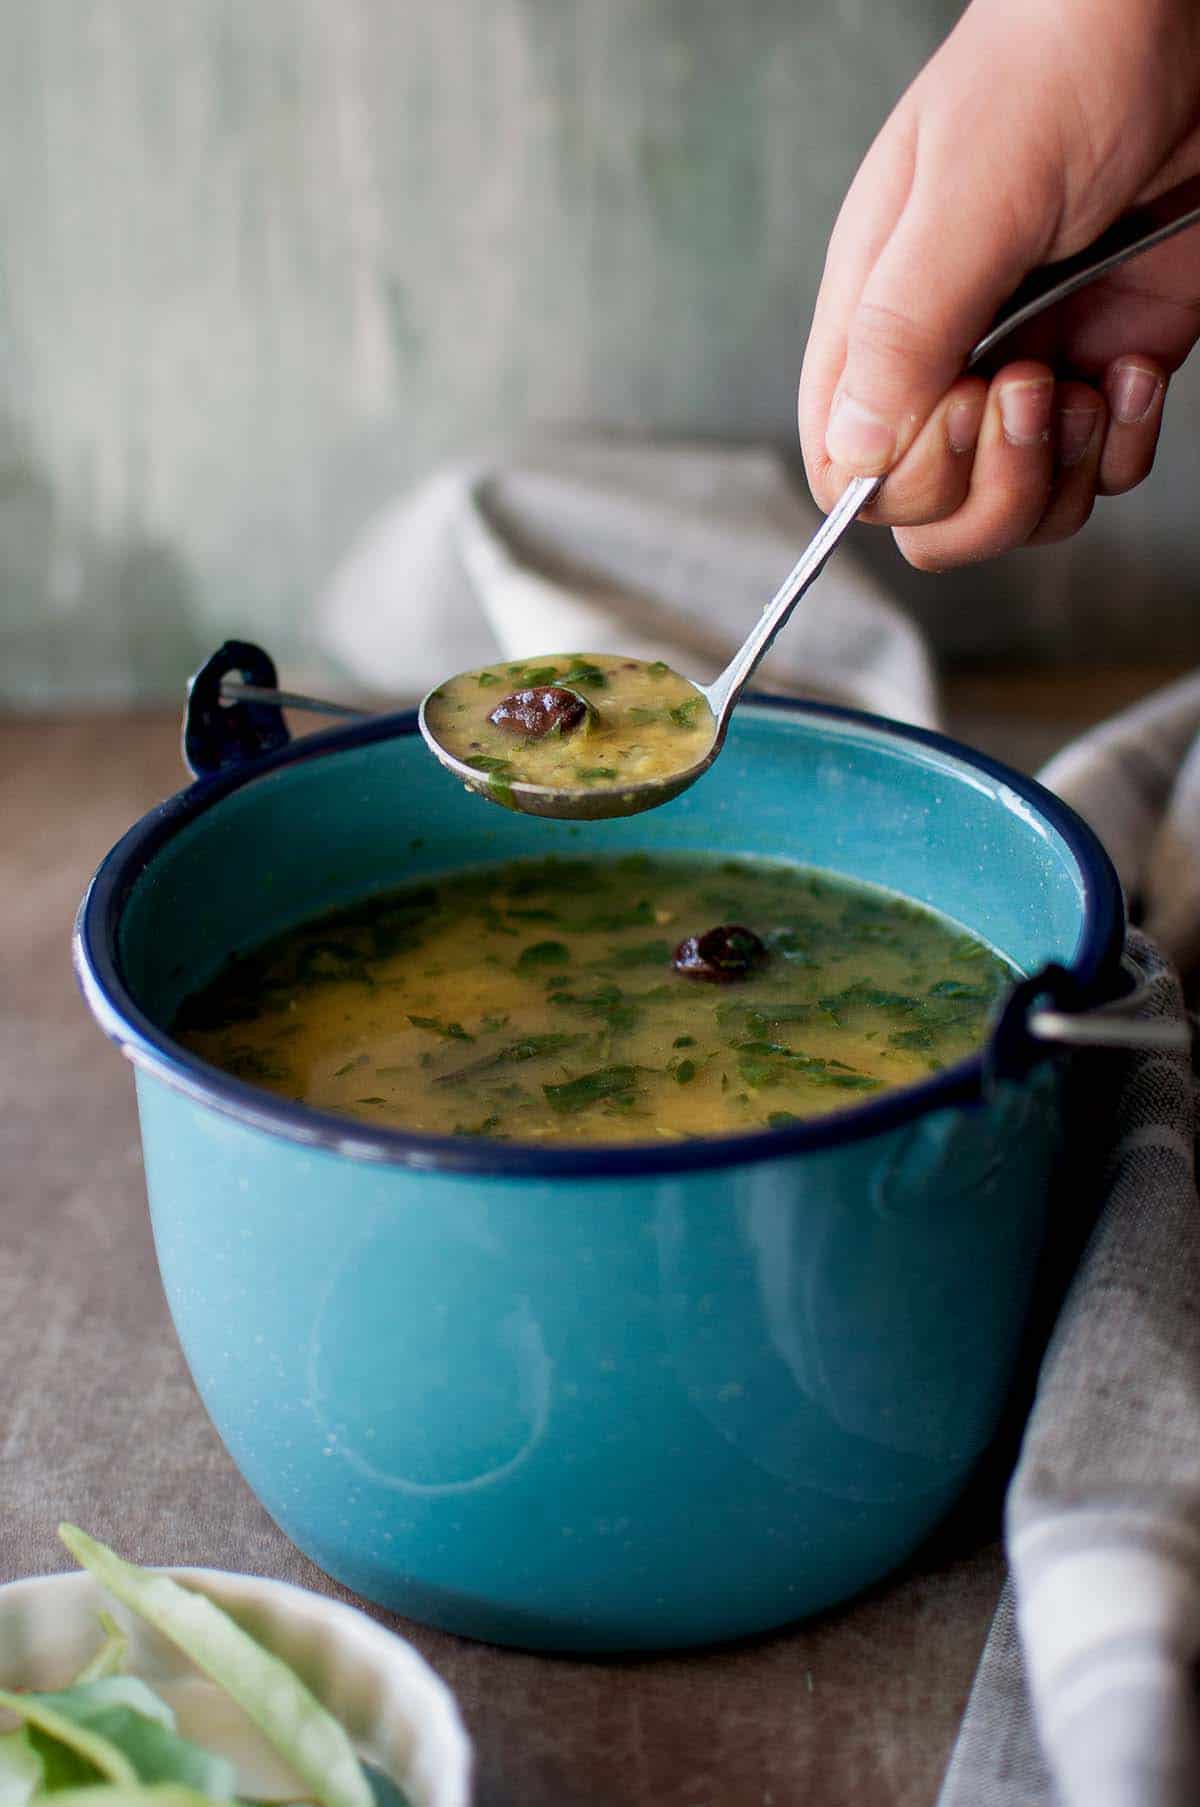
{"x": 291, "y": 1719}
{"x": 543, "y": 953}
{"x": 576, "y": 1094}
{"x": 530, "y": 1047}
{"x": 684, "y": 714}
{"x": 485, "y": 762}
{"x": 452, "y": 1031}
{"x": 583, "y": 672}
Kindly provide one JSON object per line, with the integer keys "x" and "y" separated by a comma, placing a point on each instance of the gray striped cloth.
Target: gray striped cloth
{"x": 1086, "y": 1694}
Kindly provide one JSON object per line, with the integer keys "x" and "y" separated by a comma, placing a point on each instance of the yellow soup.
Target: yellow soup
{"x": 602, "y": 1000}
{"x": 590, "y": 721}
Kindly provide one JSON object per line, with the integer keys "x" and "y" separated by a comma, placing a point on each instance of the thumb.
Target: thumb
{"x": 934, "y": 287}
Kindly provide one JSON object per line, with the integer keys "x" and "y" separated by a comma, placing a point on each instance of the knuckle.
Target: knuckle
{"x": 889, "y": 334}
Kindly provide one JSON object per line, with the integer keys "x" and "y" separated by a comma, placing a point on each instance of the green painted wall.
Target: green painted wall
{"x": 266, "y": 261}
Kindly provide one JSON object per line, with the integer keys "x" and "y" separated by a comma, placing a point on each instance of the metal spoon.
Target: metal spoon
{"x": 1135, "y": 232}
{"x": 1132, "y": 234}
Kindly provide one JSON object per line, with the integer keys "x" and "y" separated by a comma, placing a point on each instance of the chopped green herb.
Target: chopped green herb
{"x": 543, "y": 953}
{"x": 658, "y": 668}
{"x": 912, "y": 1038}
{"x": 530, "y": 1047}
{"x": 576, "y": 1094}
{"x": 452, "y": 1031}
{"x": 484, "y": 762}
{"x": 684, "y": 1041}
{"x": 684, "y": 714}
{"x": 685, "y": 1072}
{"x": 486, "y": 678}
{"x": 593, "y": 774}
{"x": 582, "y": 672}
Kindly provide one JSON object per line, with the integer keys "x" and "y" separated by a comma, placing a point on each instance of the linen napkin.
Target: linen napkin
{"x": 661, "y": 551}
{"x": 1085, "y": 1695}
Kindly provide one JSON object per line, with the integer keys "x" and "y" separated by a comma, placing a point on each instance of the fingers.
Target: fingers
{"x": 1135, "y": 388}
{"x": 1080, "y": 417}
{"x": 932, "y": 479}
{"x": 1035, "y": 473}
{"x": 1011, "y": 477}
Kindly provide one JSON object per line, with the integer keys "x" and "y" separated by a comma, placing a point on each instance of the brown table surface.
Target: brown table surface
{"x": 857, "y": 1706}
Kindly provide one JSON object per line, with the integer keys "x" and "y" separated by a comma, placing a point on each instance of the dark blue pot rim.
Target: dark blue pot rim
{"x": 97, "y": 966}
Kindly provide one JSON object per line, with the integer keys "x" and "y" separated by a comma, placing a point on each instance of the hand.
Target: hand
{"x": 1036, "y": 124}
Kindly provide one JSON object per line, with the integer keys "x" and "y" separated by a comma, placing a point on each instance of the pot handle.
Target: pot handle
{"x": 1051, "y": 1010}
{"x": 219, "y": 733}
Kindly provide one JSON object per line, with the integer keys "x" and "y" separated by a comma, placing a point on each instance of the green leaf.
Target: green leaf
{"x": 530, "y": 1047}
{"x": 291, "y": 1718}
{"x": 484, "y": 762}
{"x": 452, "y": 1031}
{"x": 684, "y": 714}
{"x": 110, "y": 1658}
{"x": 21, "y": 1770}
{"x": 42, "y": 1715}
{"x": 131, "y": 1720}
{"x": 658, "y": 668}
{"x": 576, "y": 1094}
{"x": 593, "y": 774}
{"x": 543, "y": 953}
{"x": 685, "y": 1072}
{"x": 584, "y": 672}
{"x": 131, "y": 1794}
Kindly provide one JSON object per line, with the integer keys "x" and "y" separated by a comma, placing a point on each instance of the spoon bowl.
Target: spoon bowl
{"x": 579, "y": 803}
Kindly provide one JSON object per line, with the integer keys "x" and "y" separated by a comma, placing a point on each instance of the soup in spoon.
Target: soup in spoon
{"x": 594, "y": 722}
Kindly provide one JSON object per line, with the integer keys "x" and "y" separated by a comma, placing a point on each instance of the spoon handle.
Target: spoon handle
{"x": 1135, "y": 232}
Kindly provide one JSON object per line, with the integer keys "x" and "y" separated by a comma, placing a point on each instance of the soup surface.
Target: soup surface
{"x": 544, "y": 1001}
{"x": 590, "y": 721}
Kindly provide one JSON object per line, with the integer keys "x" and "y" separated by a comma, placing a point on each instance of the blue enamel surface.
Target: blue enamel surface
{"x": 619, "y": 1399}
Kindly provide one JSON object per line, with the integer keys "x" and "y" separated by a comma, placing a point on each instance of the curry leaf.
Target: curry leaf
{"x": 291, "y": 1718}
{"x": 576, "y": 1094}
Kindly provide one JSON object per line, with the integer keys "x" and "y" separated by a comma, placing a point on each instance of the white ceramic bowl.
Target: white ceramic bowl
{"x": 401, "y": 1717}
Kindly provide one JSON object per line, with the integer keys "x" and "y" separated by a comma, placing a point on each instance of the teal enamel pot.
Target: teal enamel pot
{"x": 604, "y": 1399}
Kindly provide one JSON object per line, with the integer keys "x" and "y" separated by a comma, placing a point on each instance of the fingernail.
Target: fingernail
{"x": 858, "y": 438}
{"x": 1025, "y": 410}
{"x": 1075, "y": 429}
{"x": 1132, "y": 391}
{"x": 962, "y": 422}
